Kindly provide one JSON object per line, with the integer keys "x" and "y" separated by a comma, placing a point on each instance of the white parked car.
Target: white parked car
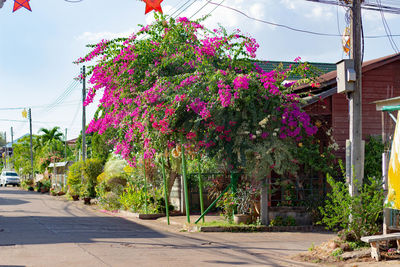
{"x": 9, "y": 177}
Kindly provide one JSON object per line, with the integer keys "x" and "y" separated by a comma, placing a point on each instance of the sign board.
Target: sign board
{"x": 393, "y": 197}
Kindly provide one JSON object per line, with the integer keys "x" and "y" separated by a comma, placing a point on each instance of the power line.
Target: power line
{"x": 293, "y": 28}
{"x": 387, "y": 29}
{"x": 36, "y": 107}
{"x": 186, "y": 8}
{"x": 368, "y": 5}
{"x": 63, "y": 96}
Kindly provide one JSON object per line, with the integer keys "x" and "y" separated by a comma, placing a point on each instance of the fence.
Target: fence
{"x": 58, "y": 180}
{"x": 283, "y": 191}
{"x": 297, "y": 191}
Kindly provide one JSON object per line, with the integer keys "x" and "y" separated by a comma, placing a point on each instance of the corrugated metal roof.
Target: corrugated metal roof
{"x": 59, "y": 164}
{"x": 329, "y": 78}
{"x": 320, "y": 67}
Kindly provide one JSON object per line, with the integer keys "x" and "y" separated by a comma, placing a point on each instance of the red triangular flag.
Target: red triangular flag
{"x": 21, "y": 3}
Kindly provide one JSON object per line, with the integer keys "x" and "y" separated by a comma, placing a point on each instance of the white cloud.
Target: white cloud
{"x": 93, "y": 37}
{"x": 315, "y": 11}
{"x": 225, "y": 16}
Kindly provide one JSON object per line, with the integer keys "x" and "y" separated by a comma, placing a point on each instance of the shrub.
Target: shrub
{"x": 365, "y": 208}
{"x": 25, "y": 184}
{"x": 373, "y": 157}
{"x": 283, "y": 221}
{"x": 133, "y": 198}
{"x": 92, "y": 169}
{"x": 75, "y": 173}
{"x": 228, "y": 205}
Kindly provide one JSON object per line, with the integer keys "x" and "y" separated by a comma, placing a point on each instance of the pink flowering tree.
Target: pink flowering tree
{"x": 176, "y": 82}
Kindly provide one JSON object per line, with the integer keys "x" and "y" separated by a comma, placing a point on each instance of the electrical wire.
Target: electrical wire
{"x": 179, "y": 8}
{"x": 365, "y": 5}
{"x": 387, "y": 28}
{"x": 215, "y": 7}
{"x": 185, "y": 8}
{"x": 35, "y": 107}
{"x": 293, "y": 28}
{"x": 199, "y": 10}
{"x": 63, "y": 96}
{"x": 275, "y": 24}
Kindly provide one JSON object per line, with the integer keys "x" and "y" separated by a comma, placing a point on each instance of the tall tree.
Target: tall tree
{"x": 50, "y": 136}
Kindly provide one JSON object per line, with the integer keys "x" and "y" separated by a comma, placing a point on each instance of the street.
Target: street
{"x": 40, "y": 230}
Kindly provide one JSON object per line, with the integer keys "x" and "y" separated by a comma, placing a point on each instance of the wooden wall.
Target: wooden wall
{"x": 378, "y": 84}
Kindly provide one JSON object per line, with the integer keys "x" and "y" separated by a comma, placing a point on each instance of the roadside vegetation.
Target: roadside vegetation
{"x": 179, "y": 98}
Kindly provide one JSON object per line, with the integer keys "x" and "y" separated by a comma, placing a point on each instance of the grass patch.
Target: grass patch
{"x": 225, "y": 224}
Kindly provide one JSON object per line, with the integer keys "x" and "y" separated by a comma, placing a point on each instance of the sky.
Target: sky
{"x": 37, "y": 48}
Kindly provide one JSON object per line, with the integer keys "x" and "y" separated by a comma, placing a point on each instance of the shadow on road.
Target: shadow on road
{"x": 14, "y": 191}
{"x": 8, "y": 201}
{"x": 54, "y": 230}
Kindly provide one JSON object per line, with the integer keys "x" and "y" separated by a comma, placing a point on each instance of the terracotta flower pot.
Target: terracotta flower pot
{"x": 241, "y": 218}
{"x": 86, "y": 200}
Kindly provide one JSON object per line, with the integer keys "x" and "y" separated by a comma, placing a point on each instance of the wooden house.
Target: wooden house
{"x": 329, "y": 109}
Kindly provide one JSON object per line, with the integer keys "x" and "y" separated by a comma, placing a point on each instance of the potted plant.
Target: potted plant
{"x": 53, "y": 192}
{"x": 46, "y": 184}
{"x": 74, "y": 191}
{"x": 244, "y": 201}
{"x": 85, "y": 194}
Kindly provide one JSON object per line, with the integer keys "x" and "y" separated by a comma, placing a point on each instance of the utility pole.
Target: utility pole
{"x": 30, "y": 131}
{"x": 65, "y": 145}
{"x": 355, "y": 102}
{"x": 6, "y": 150}
{"x": 12, "y": 142}
{"x": 12, "y": 136}
{"x": 83, "y": 114}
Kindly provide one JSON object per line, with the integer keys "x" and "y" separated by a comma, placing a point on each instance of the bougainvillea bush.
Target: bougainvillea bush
{"x": 175, "y": 82}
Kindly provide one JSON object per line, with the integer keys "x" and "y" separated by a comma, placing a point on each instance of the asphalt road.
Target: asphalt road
{"x": 40, "y": 230}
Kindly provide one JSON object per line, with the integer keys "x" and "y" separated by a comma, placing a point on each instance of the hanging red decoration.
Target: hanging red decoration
{"x": 21, "y": 3}
{"x": 153, "y": 5}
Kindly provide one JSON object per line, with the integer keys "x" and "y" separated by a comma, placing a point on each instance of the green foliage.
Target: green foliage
{"x": 365, "y": 208}
{"x": 275, "y": 155}
{"x": 26, "y": 183}
{"x": 228, "y": 205}
{"x": 2, "y": 139}
{"x": 46, "y": 183}
{"x": 108, "y": 197}
{"x": 337, "y": 252}
{"x": 86, "y": 190}
{"x": 21, "y": 156}
{"x": 92, "y": 169}
{"x": 373, "y": 157}
{"x": 283, "y": 221}
{"x": 75, "y": 173}
{"x": 133, "y": 199}
{"x": 101, "y": 148}
{"x": 75, "y": 189}
{"x": 315, "y": 159}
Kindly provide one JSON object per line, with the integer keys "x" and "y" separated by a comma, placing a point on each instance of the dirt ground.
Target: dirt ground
{"x": 324, "y": 255}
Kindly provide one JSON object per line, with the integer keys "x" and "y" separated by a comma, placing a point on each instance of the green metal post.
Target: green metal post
{"x": 145, "y": 186}
{"x": 213, "y": 204}
{"x": 165, "y": 188}
{"x": 234, "y": 181}
{"x": 185, "y": 185}
{"x": 201, "y": 191}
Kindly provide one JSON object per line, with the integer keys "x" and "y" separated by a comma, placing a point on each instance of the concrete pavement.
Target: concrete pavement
{"x": 41, "y": 230}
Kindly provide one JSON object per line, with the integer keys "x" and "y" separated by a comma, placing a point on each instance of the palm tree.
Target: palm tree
{"x": 50, "y": 136}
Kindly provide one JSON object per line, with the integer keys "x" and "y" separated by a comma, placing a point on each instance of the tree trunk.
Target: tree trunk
{"x": 172, "y": 175}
